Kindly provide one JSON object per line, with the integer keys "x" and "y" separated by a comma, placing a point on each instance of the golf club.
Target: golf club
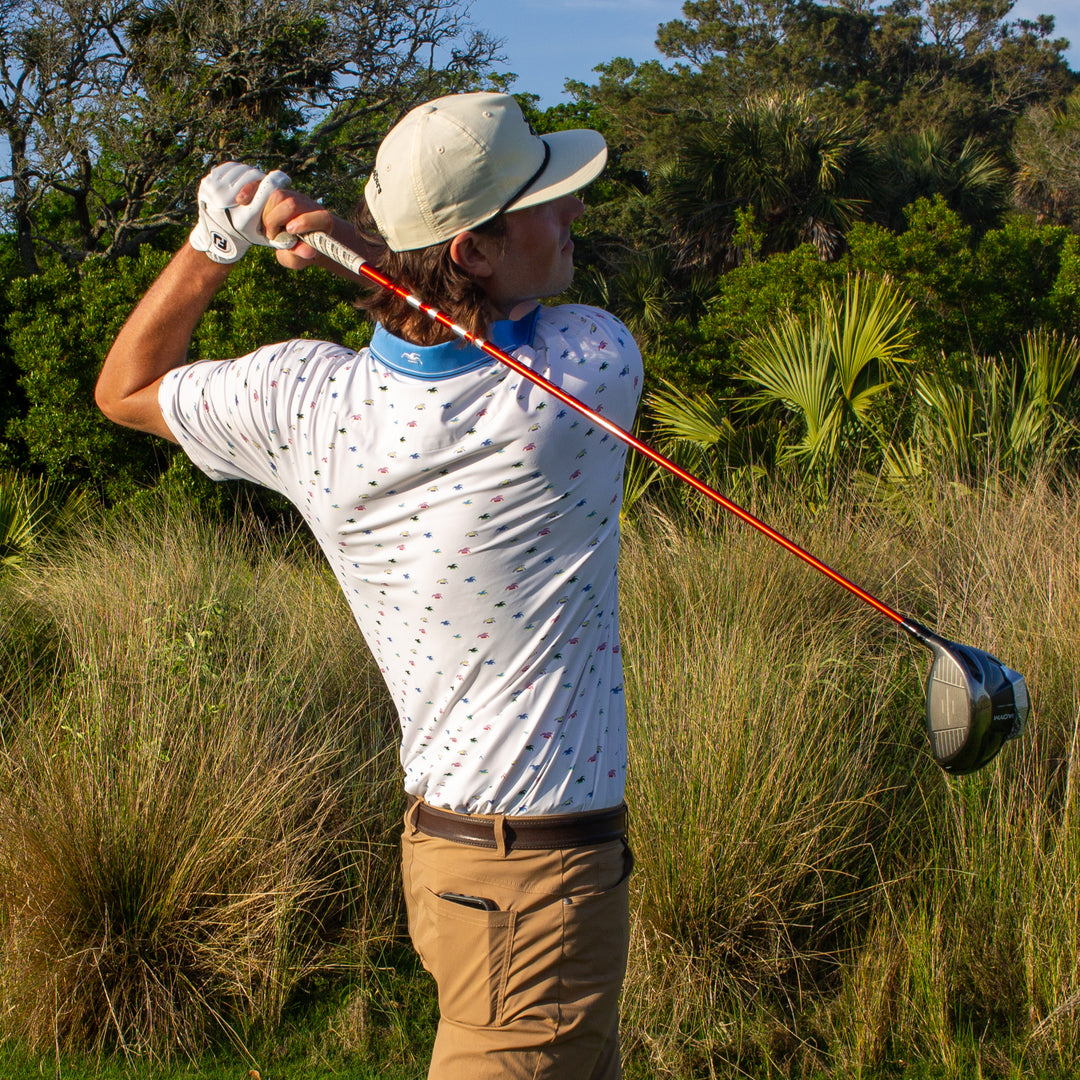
{"x": 974, "y": 703}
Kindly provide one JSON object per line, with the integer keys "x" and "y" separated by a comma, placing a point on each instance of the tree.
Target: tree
{"x": 960, "y": 66}
{"x": 802, "y": 177}
{"x": 972, "y": 181}
{"x": 113, "y": 111}
{"x": 1047, "y": 149}
{"x": 55, "y": 57}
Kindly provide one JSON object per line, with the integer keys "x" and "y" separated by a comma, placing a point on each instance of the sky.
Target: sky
{"x": 547, "y": 42}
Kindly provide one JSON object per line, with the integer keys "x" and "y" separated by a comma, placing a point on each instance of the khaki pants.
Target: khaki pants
{"x": 530, "y": 989}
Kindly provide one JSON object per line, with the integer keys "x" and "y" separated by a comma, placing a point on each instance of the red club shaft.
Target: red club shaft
{"x": 351, "y": 261}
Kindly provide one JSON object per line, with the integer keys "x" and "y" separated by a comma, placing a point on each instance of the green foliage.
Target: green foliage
{"x": 1046, "y": 147}
{"x": 925, "y": 165}
{"x": 64, "y": 320}
{"x": 753, "y": 294}
{"x": 12, "y": 402}
{"x": 977, "y": 296}
{"x": 1019, "y": 268}
{"x": 815, "y": 116}
{"x": 1018, "y": 414}
{"x": 831, "y": 372}
{"x": 696, "y": 433}
{"x": 959, "y": 68}
{"x": 33, "y": 513}
{"x": 1045, "y": 426}
{"x": 968, "y": 299}
{"x": 1012, "y": 296}
{"x": 1065, "y": 294}
{"x": 801, "y": 175}
{"x": 61, "y": 326}
{"x": 934, "y": 260}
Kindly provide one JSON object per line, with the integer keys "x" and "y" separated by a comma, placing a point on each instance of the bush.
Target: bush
{"x": 63, "y": 322}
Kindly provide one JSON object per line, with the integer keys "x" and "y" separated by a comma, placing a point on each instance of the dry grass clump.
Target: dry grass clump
{"x": 190, "y": 827}
{"x": 772, "y": 751}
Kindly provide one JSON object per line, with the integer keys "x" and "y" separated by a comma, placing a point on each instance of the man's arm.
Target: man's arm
{"x": 155, "y": 340}
{"x": 156, "y": 337}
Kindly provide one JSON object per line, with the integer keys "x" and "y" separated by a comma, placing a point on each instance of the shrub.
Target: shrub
{"x": 64, "y": 320}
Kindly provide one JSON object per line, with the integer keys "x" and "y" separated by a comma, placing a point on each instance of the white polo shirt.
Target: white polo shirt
{"x": 473, "y": 522}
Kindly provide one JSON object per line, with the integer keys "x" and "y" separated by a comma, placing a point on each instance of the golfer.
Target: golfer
{"x": 473, "y": 523}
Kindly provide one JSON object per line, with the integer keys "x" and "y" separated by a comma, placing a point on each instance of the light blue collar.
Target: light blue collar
{"x": 452, "y": 357}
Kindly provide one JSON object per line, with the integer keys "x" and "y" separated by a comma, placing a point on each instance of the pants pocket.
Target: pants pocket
{"x": 467, "y": 952}
{"x": 569, "y": 960}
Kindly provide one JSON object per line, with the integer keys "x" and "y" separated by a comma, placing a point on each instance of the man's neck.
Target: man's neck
{"x": 518, "y": 310}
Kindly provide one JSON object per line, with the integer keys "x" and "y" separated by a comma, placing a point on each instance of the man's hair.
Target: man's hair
{"x": 429, "y": 274}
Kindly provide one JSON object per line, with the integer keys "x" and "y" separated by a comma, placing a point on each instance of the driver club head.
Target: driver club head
{"x": 974, "y": 703}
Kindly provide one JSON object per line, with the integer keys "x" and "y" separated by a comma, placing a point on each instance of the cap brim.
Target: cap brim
{"x": 577, "y": 158}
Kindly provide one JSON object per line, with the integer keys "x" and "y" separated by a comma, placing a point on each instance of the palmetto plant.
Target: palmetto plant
{"x": 972, "y": 180}
{"x": 831, "y": 371}
{"x": 30, "y": 509}
{"x": 648, "y": 292}
{"x": 697, "y": 433}
{"x": 640, "y": 292}
{"x": 1041, "y": 427}
{"x": 1017, "y": 415}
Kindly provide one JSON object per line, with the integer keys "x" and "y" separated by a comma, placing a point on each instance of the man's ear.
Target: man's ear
{"x": 474, "y": 254}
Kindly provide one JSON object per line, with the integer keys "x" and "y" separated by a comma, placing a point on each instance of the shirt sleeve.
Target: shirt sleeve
{"x": 240, "y": 419}
{"x": 624, "y": 376}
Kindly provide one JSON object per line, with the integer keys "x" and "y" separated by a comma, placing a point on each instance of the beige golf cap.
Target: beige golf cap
{"x": 457, "y": 161}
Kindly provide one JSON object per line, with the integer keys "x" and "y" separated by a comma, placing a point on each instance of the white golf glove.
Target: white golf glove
{"x": 225, "y": 231}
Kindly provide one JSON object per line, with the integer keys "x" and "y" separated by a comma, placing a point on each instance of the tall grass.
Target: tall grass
{"x": 813, "y": 894}
{"x": 191, "y": 767}
{"x": 199, "y": 795}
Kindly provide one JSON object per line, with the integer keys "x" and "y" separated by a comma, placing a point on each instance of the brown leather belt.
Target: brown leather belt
{"x": 547, "y": 831}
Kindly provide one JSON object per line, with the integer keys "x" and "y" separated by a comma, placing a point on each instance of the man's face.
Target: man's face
{"x": 535, "y": 257}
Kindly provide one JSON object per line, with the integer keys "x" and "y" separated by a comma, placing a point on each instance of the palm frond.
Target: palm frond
{"x": 678, "y": 416}
{"x": 869, "y": 337}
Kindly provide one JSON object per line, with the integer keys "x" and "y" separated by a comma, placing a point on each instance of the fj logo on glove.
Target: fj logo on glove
{"x": 226, "y": 229}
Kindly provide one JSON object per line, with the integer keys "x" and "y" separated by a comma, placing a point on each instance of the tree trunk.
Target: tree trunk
{"x": 21, "y": 194}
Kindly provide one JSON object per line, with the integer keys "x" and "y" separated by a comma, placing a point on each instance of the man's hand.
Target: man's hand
{"x": 231, "y": 211}
{"x": 289, "y": 214}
